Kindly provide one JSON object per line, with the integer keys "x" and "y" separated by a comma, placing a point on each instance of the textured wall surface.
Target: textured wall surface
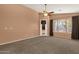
{"x": 17, "y": 22}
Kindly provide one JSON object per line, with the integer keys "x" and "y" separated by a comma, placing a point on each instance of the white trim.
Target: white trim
{"x": 44, "y": 32}
{"x": 25, "y": 38}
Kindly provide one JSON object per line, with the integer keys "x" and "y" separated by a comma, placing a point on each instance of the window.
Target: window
{"x": 62, "y": 25}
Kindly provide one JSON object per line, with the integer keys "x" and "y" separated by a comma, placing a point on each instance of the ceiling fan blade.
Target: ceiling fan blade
{"x": 50, "y": 13}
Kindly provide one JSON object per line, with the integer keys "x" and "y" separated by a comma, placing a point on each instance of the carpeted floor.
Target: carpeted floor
{"x": 42, "y": 45}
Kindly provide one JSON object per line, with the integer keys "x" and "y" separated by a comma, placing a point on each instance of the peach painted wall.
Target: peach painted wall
{"x": 17, "y": 22}
{"x": 63, "y": 15}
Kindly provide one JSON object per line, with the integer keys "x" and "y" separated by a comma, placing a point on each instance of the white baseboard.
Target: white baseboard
{"x": 25, "y": 38}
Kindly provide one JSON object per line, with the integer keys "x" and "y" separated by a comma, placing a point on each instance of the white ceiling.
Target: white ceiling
{"x": 57, "y": 8}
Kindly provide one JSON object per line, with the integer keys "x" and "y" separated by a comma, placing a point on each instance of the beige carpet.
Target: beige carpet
{"x": 42, "y": 45}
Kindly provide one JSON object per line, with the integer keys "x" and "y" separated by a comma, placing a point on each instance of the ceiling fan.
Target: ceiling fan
{"x": 45, "y": 12}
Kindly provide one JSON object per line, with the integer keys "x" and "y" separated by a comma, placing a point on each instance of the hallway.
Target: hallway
{"x": 42, "y": 45}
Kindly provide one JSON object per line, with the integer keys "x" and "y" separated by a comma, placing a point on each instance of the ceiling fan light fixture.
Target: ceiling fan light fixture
{"x": 45, "y": 14}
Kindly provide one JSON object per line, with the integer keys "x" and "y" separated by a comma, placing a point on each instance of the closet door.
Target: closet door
{"x": 75, "y": 27}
